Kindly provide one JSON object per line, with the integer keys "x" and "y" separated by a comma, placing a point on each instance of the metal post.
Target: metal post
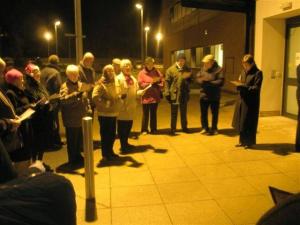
{"x": 146, "y": 43}
{"x": 142, "y": 35}
{"x": 78, "y": 30}
{"x": 55, "y": 29}
{"x": 87, "y": 129}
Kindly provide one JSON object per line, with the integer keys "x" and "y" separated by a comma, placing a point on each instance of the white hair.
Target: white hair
{"x": 72, "y": 69}
{"x": 125, "y": 62}
{"x": 88, "y": 55}
{"x": 116, "y": 61}
{"x": 109, "y": 66}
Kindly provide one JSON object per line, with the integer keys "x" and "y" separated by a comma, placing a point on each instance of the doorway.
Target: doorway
{"x": 290, "y": 107}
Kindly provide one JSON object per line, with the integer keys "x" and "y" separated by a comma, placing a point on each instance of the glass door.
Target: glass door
{"x": 290, "y": 107}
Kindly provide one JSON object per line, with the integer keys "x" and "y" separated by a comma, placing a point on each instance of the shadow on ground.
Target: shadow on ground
{"x": 121, "y": 161}
{"x": 144, "y": 148}
{"x": 277, "y": 148}
{"x": 230, "y": 132}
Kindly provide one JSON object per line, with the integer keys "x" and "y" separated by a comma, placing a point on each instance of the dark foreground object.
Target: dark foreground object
{"x": 45, "y": 198}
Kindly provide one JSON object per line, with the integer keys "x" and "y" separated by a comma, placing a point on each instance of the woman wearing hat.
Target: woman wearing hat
{"x": 41, "y": 120}
{"x": 21, "y": 100}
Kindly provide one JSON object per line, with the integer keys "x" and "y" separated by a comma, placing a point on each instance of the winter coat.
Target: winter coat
{"x": 176, "y": 86}
{"x": 145, "y": 78}
{"x": 106, "y": 97}
{"x": 74, "y": 105}
{"x": 51, "y": 78}
{"x": 128, "y": 107}
{"x": 247, "y": 106}
{"x": 211, "y": 82}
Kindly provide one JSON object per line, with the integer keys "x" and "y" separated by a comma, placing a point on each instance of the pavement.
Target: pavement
{"x": 191, "y": 178}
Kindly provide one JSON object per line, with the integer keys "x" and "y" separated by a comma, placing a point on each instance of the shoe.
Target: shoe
{"x": 248, "y": 146}
{"x": 204, "y": 131}
{"x": 172, "y": 133}
{"x": 144, "y": 132}
{"x": 239, "y": 145}
{"x": 214, "y": 132}
{"x": 153, "y": 132}
{"x": 186, "y": 130}
{"x": 114, "y": 156}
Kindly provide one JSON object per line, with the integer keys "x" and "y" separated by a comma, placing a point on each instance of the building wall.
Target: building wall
{"x": 221, "y": 27}
{"x": 269, "y": 50}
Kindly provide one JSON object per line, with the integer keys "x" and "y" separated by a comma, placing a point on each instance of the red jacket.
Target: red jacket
{"x": 145, "y": 78}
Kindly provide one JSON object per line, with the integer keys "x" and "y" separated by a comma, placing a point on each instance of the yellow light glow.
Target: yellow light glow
{"x": 47, "y": 36}
{"x": 139, "y": 6}
{"x": 158, "y": 36}
{"x": 147, "y": 28}
{"x": 57, "y": 23}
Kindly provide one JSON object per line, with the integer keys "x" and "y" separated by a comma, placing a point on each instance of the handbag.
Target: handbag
{"x": 12, "y": 141}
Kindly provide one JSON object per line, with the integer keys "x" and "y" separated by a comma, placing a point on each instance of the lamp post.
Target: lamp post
{"x": 147, "y": 28}
{"x": 56, "y": 24}
{"x": 48, "y": 38}
{"x": 158, "y": 38}
{"x": 140, "y": 7}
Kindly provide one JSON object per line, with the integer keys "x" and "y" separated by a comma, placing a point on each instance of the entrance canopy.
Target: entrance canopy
{"x": 223, "y": 5}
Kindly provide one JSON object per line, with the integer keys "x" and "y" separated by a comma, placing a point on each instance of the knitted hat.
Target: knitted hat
{"x": 12, "y": 75}
{"x": 30, "y": 68}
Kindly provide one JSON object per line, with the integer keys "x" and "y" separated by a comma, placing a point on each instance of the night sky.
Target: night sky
{"x": 112, "y": 27}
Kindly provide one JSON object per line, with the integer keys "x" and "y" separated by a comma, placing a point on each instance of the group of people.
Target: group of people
{"x": 113, "y": 97}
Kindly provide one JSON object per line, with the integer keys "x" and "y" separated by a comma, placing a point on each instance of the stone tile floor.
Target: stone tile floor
{"x": 191, "y": 178}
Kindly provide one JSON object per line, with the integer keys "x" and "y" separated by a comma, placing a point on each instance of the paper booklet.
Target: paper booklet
{"x": 26, "y": 115}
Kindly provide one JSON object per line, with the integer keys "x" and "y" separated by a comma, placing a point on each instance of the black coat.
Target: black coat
{"x": 211, "y": 82}
{"x": 21, "y": 101}
{"x": 247, "y": 106}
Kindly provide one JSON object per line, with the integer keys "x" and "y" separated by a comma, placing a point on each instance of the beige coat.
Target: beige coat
{"x": 128, "y": 108}
{"x": 106, "y": 97}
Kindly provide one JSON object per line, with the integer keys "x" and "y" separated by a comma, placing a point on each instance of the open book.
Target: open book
{"x": 26, "y": 115}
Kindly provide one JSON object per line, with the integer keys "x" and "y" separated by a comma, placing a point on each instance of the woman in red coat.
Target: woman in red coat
{"x": 151, "y": 80}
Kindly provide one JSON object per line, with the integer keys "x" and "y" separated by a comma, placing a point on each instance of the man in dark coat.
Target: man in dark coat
{"x": 211, "y": 80}
{"x": 298, "y": 101}
{"x": 177, "y": 91}
{"x": 51, "y": 80}
{"x": 246, "y": 113}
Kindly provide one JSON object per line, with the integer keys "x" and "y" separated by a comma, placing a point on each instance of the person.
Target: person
{"x": 297, "y": 146}
{"x": 211, "y": 79}
{"x": 150, "y": 79}
{"x": 51, "y": 80}
{"x": 41, "y": 122}
{"x": 125, "y": 118}
{"x": 21, "y": 100}
{"x": 88, "y": 77}
{"x": 177, "y": 91}
{"x": 74, "y": 108}
{"x": 106, "y": 97}
{"x": 246, "y": 113}
{"x": 2, "y": 69}
{"x": 116, "y": 62}
{"x": 33, "y": 196}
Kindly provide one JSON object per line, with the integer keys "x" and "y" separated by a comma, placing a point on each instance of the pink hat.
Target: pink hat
{"x": 30, "y": 68}
{"x": 12, "y": 75}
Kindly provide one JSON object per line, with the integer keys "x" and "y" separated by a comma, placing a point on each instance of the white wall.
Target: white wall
{"x": 269, "y": 49}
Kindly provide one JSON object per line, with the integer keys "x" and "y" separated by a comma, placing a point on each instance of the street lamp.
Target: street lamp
{"x": 48, "y": 38}
{"x": 139, "y": 6}
{"x": 147, "y": 28}
{"x": 158, "y": 38}
{"x": 56, "y": 24}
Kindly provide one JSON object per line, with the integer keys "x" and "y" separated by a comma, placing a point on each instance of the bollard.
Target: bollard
{"x": 87, "y": 130}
